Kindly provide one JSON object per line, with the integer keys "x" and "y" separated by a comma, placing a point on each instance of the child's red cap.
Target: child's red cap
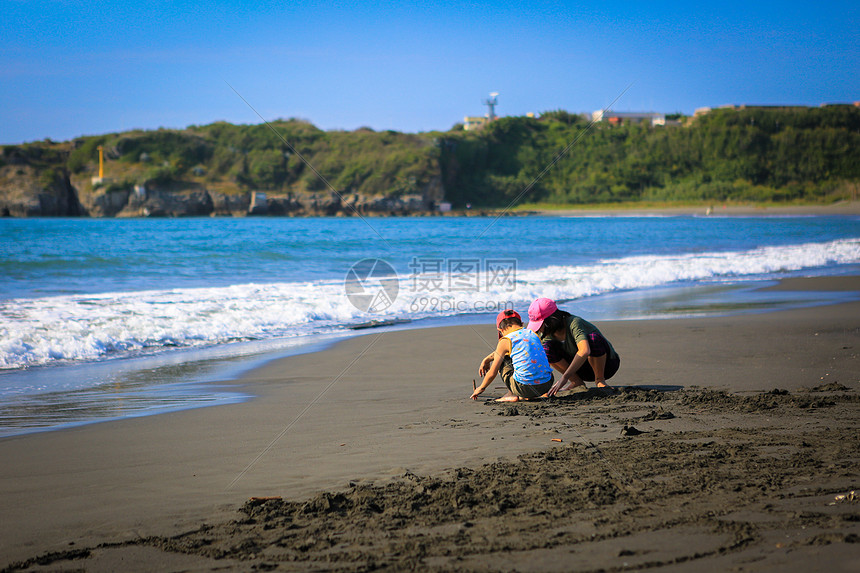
{"x": 509, "y": 313}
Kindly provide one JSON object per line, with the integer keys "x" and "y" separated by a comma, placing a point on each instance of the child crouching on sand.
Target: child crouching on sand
{"x": 520, "y": 357}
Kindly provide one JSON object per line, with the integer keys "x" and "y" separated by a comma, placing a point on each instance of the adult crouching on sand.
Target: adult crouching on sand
{"x": 573, "y": 346}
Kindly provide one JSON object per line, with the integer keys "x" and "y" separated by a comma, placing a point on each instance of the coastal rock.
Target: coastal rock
{"x": 45, "y": 179}
{"x": 106, "y": 204}
{"x": 189, "y": 204}
{"x": 288, "y": 205}
{"x": 228, "y": 205}
{"x": 28, "y": 191}
{"x": 158, "y": 203}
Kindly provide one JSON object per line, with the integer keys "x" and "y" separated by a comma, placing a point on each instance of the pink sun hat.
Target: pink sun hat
{"x": 538, "y": 311}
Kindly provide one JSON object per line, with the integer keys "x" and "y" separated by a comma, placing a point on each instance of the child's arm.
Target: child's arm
{"x": 503, "y": 348}
{"x": 485, "y": 363}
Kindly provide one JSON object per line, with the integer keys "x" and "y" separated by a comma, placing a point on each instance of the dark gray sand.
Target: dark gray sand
{"x": 731, "y": 444}
{"x": 769, "y": 489}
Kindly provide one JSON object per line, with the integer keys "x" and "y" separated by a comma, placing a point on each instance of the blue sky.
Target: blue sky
{"x": 74, "y": 68}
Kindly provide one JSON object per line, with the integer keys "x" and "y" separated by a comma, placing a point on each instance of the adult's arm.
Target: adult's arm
{"x": 583, "y": 351}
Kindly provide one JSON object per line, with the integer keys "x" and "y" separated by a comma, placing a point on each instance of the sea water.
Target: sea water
{"x": 107, "y": 318}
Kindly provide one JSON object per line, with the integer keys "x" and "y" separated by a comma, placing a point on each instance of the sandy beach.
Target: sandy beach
{"x": 731, "y": 444}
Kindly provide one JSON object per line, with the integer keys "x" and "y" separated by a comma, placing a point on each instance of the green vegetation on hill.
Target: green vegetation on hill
{"x": 755, "y": 154}
{"x": 245, "y": 157}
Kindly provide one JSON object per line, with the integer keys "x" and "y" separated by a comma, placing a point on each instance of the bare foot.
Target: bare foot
{"x": 509, "y": 397}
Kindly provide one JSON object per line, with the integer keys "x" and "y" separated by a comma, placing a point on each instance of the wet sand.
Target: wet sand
{"x": 727, "y": 446}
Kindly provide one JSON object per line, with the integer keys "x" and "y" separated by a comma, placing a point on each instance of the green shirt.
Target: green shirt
{"x": 578, "y": 329}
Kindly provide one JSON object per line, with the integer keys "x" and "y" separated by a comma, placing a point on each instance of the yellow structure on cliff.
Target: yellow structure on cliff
{"x": 101, "y": 179}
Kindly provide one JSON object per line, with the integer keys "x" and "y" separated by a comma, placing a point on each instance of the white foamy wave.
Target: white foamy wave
{"x": 640, "y": 272}
{"x": 46, "y": 330}
{"x": 630, "y": 273}
{"x": 75, "y": 328}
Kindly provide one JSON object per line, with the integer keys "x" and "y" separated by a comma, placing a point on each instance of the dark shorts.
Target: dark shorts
{"x": 523, "y": 390}
{"x": 612, "y": 364}
{"x": 598, "y": 346}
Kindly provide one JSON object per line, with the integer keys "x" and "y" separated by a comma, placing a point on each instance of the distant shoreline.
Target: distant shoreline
{"x": 635, "y": 209}
{"x": 598, "y": 210}
{"x": 839, "y": 208}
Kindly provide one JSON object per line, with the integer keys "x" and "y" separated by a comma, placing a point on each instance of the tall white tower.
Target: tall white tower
{"x": 491, "y": 104}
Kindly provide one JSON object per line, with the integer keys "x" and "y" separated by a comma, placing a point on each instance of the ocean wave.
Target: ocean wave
{"x": 41, "y": 331}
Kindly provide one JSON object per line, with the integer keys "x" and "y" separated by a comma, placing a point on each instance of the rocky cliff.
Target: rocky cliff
{"x": 200, "y": 202}
{"x": 31, "y": 189}
{"x": 31, "y": 185}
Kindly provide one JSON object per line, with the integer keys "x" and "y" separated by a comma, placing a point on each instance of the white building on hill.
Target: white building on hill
{"x": 617, "y": 117}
